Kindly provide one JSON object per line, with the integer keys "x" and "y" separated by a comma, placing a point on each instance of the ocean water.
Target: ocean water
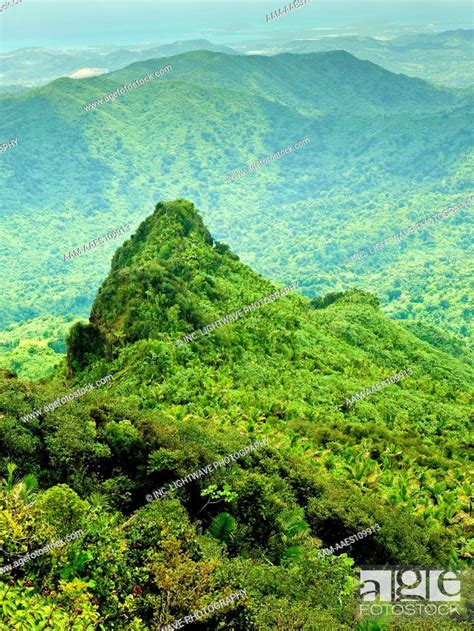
{"x": 52, "y": 24}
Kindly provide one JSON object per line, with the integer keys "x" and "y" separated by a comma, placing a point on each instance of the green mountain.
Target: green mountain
{"x": 384, "y": 151}
{"x": 284, "y": 371}
{"x": 19, "y": 71}
{"x": 444, "y": 58}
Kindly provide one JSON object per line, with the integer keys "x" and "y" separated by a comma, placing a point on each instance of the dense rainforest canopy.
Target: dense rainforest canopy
{"x": 396, "y": 458}
{"x": 385, "y": 150}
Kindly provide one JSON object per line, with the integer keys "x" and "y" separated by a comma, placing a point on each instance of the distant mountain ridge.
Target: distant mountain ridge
{"x": 380, "y": 144}
{"x": 17, "y": 68}
{"x": 444, "y": 58}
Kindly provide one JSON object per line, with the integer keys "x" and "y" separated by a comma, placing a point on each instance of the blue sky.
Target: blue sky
{"x": 71, "y": 23}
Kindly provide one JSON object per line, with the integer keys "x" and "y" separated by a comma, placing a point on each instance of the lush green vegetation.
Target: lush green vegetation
{"x": 444, "y": 58}
{"x": 385, "y": 151}
{"x": 398, "y": 458}
{"x": 33, "y": 349}
{"x": 18, "y": 71}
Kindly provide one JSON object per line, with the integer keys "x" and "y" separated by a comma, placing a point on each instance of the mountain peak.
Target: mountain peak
{"x": 169, "y": 279}
{"x": 163, "y": 235}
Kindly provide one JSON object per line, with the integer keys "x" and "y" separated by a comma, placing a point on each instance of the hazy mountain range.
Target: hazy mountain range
{"x": 445, "y": 58}
{"x": 384, "y": 151}
{"x": 29, "y": 67}
{"x": 140, "y": 207}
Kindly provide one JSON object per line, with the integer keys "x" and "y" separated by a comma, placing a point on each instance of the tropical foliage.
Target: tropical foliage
{"x": 385, "y": 151}
{"x": 398, "y": 458}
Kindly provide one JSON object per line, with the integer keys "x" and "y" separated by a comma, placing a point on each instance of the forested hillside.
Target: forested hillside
{"x": 51, "y": 64}
{"x": 32, "y": 349}
{"x": 443, "y": 58}
{"x": 282, "y": 372}
{"x": 384, "y": 151}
